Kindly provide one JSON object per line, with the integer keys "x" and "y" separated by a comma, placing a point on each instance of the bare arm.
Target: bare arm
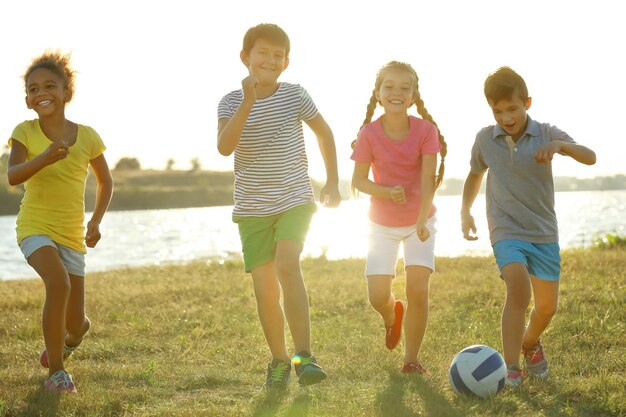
{"x": 578, "y": 152}
{"x": 229, "y": 130}
{"x": 20, "y": 170}
{"x": 104, "y": 192}
{"x": 361, "y": 181}
{"x": 470, "y": 191}
{"x": 429, "y": 176}
{"x": 326, "y": 143}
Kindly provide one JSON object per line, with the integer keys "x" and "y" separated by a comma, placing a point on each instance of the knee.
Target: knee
{"x": 378, "y": 301}
{"x": 59, "y": 286}
{"x": 546, "y": 310}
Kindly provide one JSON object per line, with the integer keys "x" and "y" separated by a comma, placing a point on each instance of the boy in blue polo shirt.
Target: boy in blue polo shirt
{"x": 517, "y": 152}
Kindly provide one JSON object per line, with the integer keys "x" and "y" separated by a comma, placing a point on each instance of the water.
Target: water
{"x": 150, "y": 237}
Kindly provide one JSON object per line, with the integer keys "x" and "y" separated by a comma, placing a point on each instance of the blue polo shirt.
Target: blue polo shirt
{"x": 520, "y": 191}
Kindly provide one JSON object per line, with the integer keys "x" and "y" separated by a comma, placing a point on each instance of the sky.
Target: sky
{"x": 151, "y": 73}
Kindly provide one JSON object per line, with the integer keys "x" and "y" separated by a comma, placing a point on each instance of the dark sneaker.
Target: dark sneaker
{"x": 60, "y": 381}
{"x": 307, "y": 369}
{"x": 514, "y": 376}
{"x": 278, "y": 375}
{"x": 414, "y": 368}
{"x": 394, "y": 332}
{"x": 535, "y": 361}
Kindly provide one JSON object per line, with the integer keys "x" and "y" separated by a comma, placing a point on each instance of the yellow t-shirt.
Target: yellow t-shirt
{"x": 54, "y": 198}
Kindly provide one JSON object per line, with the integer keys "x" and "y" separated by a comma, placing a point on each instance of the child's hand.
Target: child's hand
{"x": 329, "y": 196}
{"x": 397, "y": 195}
{"x": 248, "y": 85}
{"x": 467, "y": 225}
{"x": 55, "y": 152}
{"x": 545, "y": 153}
{"x": 93, "y": 234}
{"x": 422, "y": 232}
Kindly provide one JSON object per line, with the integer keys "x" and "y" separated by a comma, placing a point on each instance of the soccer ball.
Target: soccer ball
{"x": 478, "y": 370}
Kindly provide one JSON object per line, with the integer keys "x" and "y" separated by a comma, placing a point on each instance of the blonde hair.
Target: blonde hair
{"x": 419, "y": 104}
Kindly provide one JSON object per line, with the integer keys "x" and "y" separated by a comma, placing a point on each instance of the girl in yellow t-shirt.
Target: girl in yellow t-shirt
{"x": 51, "y": 156}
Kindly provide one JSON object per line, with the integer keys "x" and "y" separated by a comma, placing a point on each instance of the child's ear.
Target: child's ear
{"x": 286, "y": 64}
{"x": 68, "y": 95}
{"x": 27, "y": 105}
{"x": 529, "y": 101}
{"x": 244, "y": 58}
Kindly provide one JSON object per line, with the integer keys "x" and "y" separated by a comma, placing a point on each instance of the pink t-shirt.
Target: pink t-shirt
{"x": 397, "y": 162}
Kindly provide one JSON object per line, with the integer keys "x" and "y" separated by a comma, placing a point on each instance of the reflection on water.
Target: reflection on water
{"x": 149, "y": 237}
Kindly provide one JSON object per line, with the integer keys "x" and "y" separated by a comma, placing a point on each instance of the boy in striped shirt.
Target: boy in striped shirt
{"x": 274, "y": 201}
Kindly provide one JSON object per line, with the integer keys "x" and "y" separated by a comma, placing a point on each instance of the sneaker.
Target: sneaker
{"x": 278, "y": 375}
{"x": 414, "y": 368}
{"x": 307, "y": 369}
{"x": 535, "y": 361}
{"x": 394, "y": 332}
{"x": 60, "y": 381}
{"x": 67, "y": 350}
{"x": 514, "y": 376}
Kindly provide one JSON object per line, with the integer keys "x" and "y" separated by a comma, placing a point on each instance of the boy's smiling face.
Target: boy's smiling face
{"x": 266, "y": 61}
{"x": 510, "y": 114}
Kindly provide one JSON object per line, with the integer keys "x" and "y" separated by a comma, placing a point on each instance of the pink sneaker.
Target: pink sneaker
{"x": 414, "y": 368}
{"x": 60, "y": 381}
{"x": 67, "y": 351}
{"x": 535, "y": 361}
{"x": 393, "y": 333}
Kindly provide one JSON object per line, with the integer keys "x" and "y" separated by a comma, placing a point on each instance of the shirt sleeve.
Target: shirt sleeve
{"x": 362, "y": 151}
{"x": 19, "y": 134}
{"x": 477, "y": 162}
{"x": 308, "y": 110}
{"x": 431, "y": 142}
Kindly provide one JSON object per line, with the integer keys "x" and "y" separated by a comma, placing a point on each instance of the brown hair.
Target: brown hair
{"x": 419, "y": 103}
{"x": 268, "y": 31}
{"x": 503, "y": 83}
{"x": 59, "y": 64}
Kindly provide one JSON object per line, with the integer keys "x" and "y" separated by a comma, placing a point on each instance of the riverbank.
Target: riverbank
{"x": 184, "y": 340}
{"x": 153, "y": 189}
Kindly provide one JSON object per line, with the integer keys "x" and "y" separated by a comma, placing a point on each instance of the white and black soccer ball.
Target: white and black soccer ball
{"x": 478, "y": 370}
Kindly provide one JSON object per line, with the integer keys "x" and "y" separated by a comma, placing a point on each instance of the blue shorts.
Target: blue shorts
{"x": 73, "y": 260}
{"x": 542, "y": 260}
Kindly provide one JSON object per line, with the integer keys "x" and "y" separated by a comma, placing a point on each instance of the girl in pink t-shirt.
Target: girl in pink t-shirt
{"x": 401, "y": 151}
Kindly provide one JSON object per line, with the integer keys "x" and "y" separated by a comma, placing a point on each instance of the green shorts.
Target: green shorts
{"x": 260, "y": 234}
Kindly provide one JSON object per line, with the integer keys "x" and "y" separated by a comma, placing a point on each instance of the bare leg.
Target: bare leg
{"x": 514, "y": 313}
{"x": 546, "y": 295}
{"x": 416, "y": 318}
{"x": 76, "y": 323}
{"x": 381, "y": 297}
{"x": 47, "y": 263}
{"x": 267, "y": 293}
{"x": 295, "y": 297}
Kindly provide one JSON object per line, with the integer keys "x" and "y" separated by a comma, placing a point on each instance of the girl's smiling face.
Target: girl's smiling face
{"x": 396, "y": 91}
{"x": 45, "y": 92}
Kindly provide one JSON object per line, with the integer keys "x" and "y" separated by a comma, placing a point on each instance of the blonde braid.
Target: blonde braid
{"x": 421, "y": 109}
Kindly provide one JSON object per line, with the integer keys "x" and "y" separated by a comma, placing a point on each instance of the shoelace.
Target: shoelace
{"x": 278, "y": 372}
{"x": 61, "y": 379}
{"x": 534, "y": 354}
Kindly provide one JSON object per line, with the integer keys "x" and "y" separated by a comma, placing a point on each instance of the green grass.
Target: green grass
{"x": 185, "y": 341}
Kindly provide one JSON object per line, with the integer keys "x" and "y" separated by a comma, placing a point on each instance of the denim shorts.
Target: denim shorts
{"x": 542, "y": 260}
{"x": 260, "y": 234}
{"x": 73, "y": 260}
{"x": 384, "y": 245}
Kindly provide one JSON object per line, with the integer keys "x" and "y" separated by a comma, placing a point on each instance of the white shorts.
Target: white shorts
{"x": 384, "y": 244}
{"x": 73, "y": 260}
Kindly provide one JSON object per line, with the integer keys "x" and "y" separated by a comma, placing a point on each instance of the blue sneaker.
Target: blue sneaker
{"x": 307, "y": 369}
{"x": 278, "y": 375}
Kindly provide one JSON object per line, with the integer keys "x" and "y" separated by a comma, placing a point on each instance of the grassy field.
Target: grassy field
{"x": 185, "y": 341}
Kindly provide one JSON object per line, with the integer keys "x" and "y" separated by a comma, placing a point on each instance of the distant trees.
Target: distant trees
{"x": 170, "y": 164}
{"x": 128, "y": 164}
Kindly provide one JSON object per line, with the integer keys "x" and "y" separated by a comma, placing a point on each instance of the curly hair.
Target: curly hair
{"x": 59, "y": 64}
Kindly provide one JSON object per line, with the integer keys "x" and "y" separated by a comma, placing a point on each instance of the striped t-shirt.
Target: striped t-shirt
{"x": 271, "y": 167}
